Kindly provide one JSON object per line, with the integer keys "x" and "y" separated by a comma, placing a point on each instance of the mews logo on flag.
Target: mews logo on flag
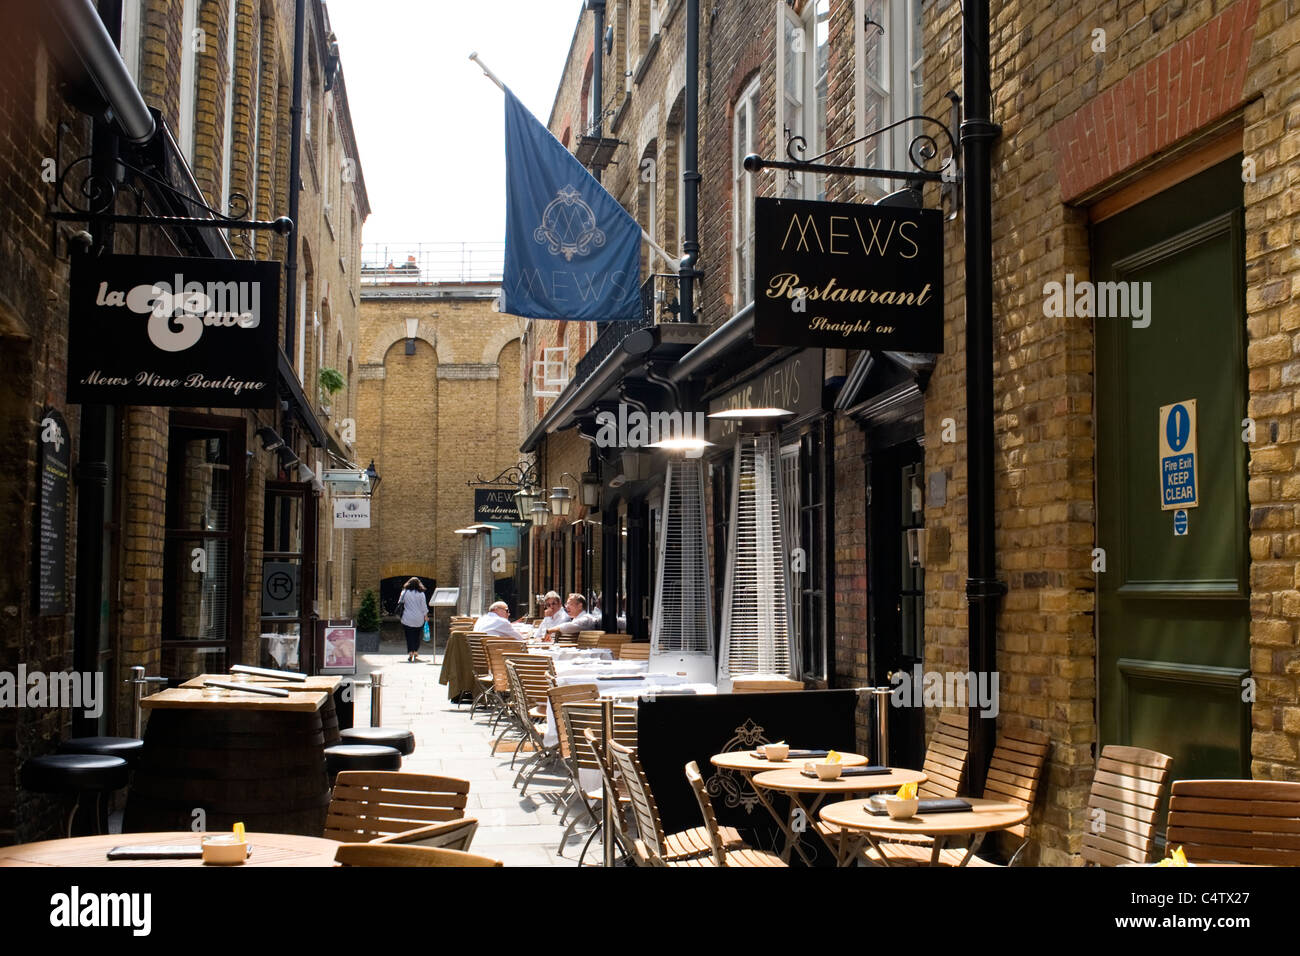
{"x": 572, "y": 252}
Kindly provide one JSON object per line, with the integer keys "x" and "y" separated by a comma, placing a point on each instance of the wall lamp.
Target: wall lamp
{"x": 270, "y": 438}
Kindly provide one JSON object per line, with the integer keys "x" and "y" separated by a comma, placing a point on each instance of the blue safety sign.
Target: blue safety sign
{"x": 1180, "y": 521}
{"x": 1177, "y": 456}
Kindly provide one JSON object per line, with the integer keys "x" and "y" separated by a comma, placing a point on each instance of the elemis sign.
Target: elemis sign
{"x": 842, "y": 275}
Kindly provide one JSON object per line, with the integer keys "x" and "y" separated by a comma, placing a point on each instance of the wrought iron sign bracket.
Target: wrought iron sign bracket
{"x": 923, "y": 151}
{"x": 515, "y": 476}
{"x": 82, "y": 195}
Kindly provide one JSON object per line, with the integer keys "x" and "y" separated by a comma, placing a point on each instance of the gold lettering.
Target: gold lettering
{"x": 902, "y": 235}
{"x": 838, "y": 235}
{"x": 783, "y": 284}
{"x": 803, "y": 233}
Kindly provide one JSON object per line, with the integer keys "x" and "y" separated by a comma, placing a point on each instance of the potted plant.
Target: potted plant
{"x": 368, "y": 624}
{"x": 331, "y": 382}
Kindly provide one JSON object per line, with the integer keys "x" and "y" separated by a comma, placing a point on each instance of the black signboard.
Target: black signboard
{"x": 794, "y": 384}
{"x": 843, "y": 275}
{"x": 152, "y": 330}
{"x": 54, "y": 452}
{"x": 495, "y": 504}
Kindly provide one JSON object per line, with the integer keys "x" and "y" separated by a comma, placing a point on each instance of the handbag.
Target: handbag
{"x": 426, "y": 638}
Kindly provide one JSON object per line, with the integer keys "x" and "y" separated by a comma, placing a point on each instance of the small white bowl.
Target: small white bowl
{"x": 899, "y": 809}
{"x": 776, "y": 752}
{"x": 827, "y": 771}
{"x": 224, "y": 850}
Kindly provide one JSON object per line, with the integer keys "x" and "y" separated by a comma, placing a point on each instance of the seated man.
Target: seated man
{"x": 580, "y": 619}
{"x": 496, "y": 622}
{"x": 555, "y": 615}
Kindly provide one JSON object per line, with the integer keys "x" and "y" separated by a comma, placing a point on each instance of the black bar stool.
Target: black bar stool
{"x": 403, "y": 741}
{"x": 75, "y": 774}
{"x": 128, "y": 748}
{"x": 340, "y": 757}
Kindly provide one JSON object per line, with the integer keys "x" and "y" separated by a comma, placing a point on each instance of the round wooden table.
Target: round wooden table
{"x": 983, "y": 817}
{"x": 747, "y": 763}
{"x": 269, "y": 849}
{"x": 807, "y": 794}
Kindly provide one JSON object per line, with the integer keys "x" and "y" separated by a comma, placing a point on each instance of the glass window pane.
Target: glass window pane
{"x": 196, "y": 589}
{"x": 198, "y": 496}
{"x": 283, "y": 527}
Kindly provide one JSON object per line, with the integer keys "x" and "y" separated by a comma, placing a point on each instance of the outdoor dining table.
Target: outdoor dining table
{"x": 269, "y": 849}
{"x": 983, "y": 817}
{"x": 808, "y": 793}
{"x": 457, "y": 666}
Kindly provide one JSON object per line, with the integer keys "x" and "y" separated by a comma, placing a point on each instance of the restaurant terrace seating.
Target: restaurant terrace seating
{"x": 527, "y": 684}
{"x": 558, "y": 697}
{"x": 369, "y": 804}
{"x": 482, "y": 672}
{"x": 629, "y": 651}
{"x": 696, "y": 841}
{"x": 1251, "y": 822}
{"x": 1015, "y": 771}
{"x": 1127, "y": 789}
{"x": 587, "y": 639}
{"x": 379, "y": 854}
{"x": 452, "y": 835}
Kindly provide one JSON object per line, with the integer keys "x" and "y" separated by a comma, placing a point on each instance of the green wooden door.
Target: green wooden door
{"x": 1173, "y": 614}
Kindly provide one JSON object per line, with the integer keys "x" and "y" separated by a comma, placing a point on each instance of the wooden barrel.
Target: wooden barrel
{"x": 265, "y": 769}
{"x": 329, "y": 721}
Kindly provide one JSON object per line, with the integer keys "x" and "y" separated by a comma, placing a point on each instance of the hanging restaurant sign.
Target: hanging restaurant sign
{"x": 495, "y": 504}
{"x": 844, "y": 275}
{"x": 190, "y": 332}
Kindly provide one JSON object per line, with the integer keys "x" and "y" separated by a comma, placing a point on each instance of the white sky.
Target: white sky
{"x": 429, "y": 124}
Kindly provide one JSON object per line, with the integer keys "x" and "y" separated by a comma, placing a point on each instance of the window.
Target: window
{"x": 802, "y": 64}
{"x": 809, "y": 610}
{"x": 227, "y": 147}
{"x": 190, "y": 39}
{"x": 647, "y": 202}
{"x": 890, "y": 79}
{"x": 202, "y": 557}
{"x": 745, "y": 141}
{"x": 130, "y": 42}
{"x": 654, "y": 18}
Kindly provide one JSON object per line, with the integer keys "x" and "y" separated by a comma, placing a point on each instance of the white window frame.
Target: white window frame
{"x": 189, "y": 79}
{"x": 227, "y": 147}
{"x": 742, "y": 197}
{"x": 796, "y": 107}
{"x": 903, "y": 23}
{"x": 130, "y": 40}
{"x": 654, "y": 19}
{"x": 652, "y": 199}
{"x": 551, "y": 372}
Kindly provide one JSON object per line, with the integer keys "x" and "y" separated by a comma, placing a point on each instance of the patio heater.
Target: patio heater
{"x": 756, "y": 635}
{"x": 470, "y": 602}
{"x": 681, "y": 632}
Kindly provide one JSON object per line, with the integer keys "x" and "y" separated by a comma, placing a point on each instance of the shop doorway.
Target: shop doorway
{"x": 896, "y": 584}
{"x": 1172, "y": 608}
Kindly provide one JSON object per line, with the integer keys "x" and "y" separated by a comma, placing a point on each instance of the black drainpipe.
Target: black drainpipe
{"x": 597, "y": 8}
{"x": 983, "y": 589}
{"x": 690, "y": 175}
{"x": 295, "y": 164}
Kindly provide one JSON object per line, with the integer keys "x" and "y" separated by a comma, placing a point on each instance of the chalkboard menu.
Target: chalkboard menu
{"x": 53, "y": 455}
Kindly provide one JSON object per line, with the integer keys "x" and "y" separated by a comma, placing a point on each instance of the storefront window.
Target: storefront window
{"x": 810, "y": 613}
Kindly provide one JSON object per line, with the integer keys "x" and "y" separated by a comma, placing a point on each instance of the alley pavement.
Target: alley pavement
{"x": 519, "y": 831}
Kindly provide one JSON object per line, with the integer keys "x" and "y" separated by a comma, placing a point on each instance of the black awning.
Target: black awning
{"x": 292, "y": 392}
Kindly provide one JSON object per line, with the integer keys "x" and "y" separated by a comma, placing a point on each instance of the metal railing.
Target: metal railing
{"x": 658, "y": 305}
{"x": 424, "y": 263}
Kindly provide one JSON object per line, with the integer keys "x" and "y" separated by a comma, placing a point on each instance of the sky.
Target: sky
{"x": 429, "y": 124}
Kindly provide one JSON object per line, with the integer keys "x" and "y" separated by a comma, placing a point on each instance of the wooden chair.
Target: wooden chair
{"x": 495, "y": 647}
{"x": 1127, "y": 788}
{"x": 452, "y": 835}
{"x": 763, "y": 685}
{"x": 577, "y": 720}
{"x": 628, "y": 651}
{"x": 587, "y": 639}
{"x": 482, "y": 672}
{"x": 528, "y": 684}
{"x": 1236, "y": 821}
{"x": 558, "y": 697}
{"x": 725, "y": 853}
{"x": 614, "y": 641}
{"x": 379, "y": 854}
{"x": 1015, "y": 771}
{"x": 669, "y": 847}
{"x": 374, "y": 803}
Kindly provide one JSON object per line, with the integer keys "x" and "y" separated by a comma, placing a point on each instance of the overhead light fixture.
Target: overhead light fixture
{"x": 753, "y": 419}
{"x": 541, "y": 514}
{"x": 591, "y": 489}
{"x": 270, "y": 438}
{"x": 286, "y": 456}
{"x": 524, "y": 499}
{"x": 372, "y": 476}
{"x": 561, "y": 501}
{"x": 687, "y": 445}
{"x": 347, "y": 481}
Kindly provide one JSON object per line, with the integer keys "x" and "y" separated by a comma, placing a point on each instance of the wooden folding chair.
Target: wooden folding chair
{"x": 629, "y": 651}
{"x": 528, "y": 686}
{"x": 495, "y": 647}
{"x": 1127, "y": 788}
{"x": 558, "y": 697}
{"x": 1015, "y": 771}
{"x": 725, "y": 852}
{"x": 670, "y": 847}
{"x": 482, "y": 672}
{"x": 613, "y": 641}
{"x": 1251, "y": 822}
{"x": 587, "y": 639}
{"x": 374, "y": 803}
{"x": 452, "y": 835}
{"x": 379, "y": 854}
{"x": 578, "y": 719}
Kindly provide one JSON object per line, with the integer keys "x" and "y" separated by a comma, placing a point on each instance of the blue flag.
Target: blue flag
{"x": 572, "y": 252}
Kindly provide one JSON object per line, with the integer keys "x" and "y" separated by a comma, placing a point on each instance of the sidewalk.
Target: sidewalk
{"x": 520, "y": 831}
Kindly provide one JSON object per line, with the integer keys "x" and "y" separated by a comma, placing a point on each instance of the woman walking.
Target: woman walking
{"x": 415, "y": 611}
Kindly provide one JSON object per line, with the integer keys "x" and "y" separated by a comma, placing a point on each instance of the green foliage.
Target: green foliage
{"x": 368, "y": 614}
{"x": 330, "y": 380}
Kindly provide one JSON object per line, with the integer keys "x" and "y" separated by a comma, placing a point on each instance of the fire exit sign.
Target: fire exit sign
{"x": 1178, "y": 456}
